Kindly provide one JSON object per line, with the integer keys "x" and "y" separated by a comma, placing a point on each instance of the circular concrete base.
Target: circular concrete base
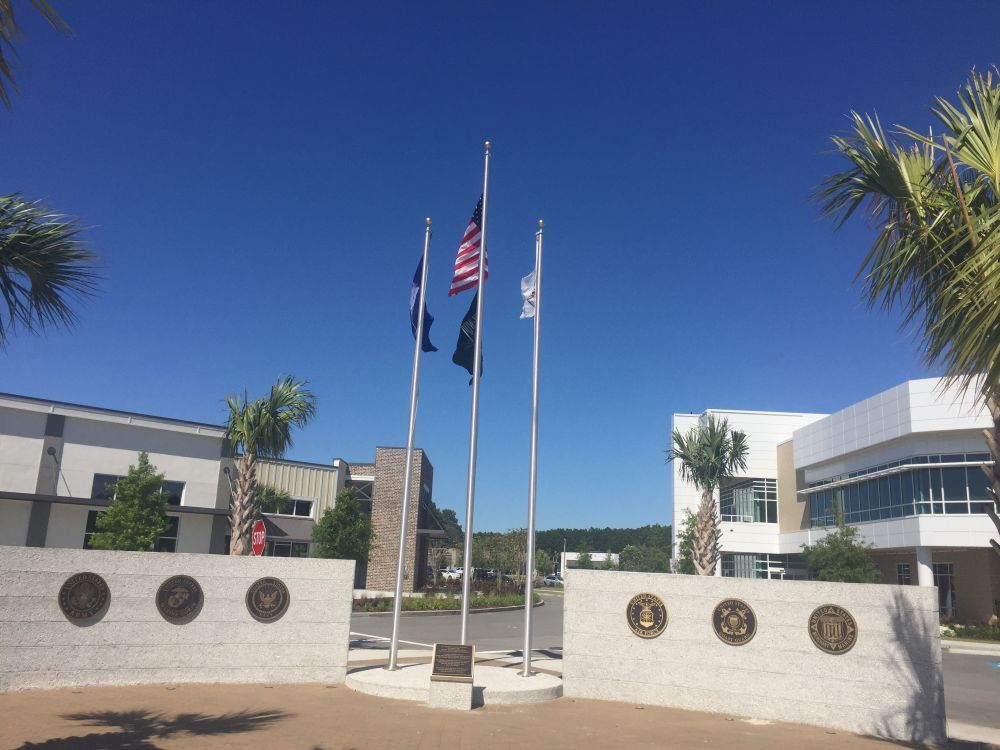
{"x": 491, "y": 685}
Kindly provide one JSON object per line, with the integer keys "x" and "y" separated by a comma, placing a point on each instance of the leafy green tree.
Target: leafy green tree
{"x": 609, "y": 563}
{"x": 656, "y": 561}
{"x": 261, "y": 428}
{"x": 685, "y": 544}
{"x": 708, "y": 453}
{"x": 137, "y": 516}
{"x": 9, "y": 31}
{"x": 543, "y": 562}
{"x": 585, "y": 561}
{"x": 841, "y": 556}
{"x": 43, "y": 264}
{"x": 344, "y": 531}
{"x": 630, "y": 558}
{"x": 935, "y": 204}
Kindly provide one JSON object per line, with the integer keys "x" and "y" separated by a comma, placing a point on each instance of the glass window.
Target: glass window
{"x": 953, "y": 484}
{"x": 903, "y": 574}
{"x": 104, "y": 486}
{"x": 978, "y": 490}
{"x": 953, "y": 458}
{"x": 91, "y": 528}
{"x": 287, "y": 549}
{"x": 173, "y": 491}
{"x": 303, "y": 507}
{"x": 944, "y": 579}
{"x": 168, "y": 540}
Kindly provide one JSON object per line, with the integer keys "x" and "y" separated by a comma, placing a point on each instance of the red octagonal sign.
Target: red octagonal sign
{"x": 257, "y": 538}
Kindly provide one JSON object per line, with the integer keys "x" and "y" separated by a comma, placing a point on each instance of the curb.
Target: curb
{"x": 425, "y": 613}
{"x": 957, "y": 646}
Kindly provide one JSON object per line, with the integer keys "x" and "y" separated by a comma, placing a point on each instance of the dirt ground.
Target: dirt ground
{"x": 315, "y": 717}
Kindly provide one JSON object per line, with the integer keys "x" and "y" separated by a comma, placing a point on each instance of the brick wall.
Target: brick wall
{"x": 387, "y": 508}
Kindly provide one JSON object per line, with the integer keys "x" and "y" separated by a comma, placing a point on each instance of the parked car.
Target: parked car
{"x": 552, "y": 580}
{"x": 449, "y": 573}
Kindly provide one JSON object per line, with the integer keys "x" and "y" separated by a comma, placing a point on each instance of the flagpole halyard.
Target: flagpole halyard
{"x": 470, "y": 493}
{"x": 397, "y": 602}
{"x": 529, "y": 573}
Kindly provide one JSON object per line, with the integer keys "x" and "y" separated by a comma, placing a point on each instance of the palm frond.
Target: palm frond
{"x": 9, "y": 31}
{"x": 43, "y": 267}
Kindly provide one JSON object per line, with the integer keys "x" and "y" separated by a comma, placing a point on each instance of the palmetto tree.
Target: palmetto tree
{"x": 708, "y": 453}
{"x": 261, "y": 429}
{"x": 9, "y": 31}
{"x": 43, "y": 267}
{"x": 933, "y": 200}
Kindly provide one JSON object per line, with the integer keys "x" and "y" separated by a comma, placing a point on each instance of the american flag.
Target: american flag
{"x": 467, "y": 262}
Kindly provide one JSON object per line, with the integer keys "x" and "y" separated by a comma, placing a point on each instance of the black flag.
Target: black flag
{"x": 466, "y": 346}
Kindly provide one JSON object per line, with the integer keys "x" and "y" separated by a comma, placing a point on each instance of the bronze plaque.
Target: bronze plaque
{"x": 646, "y": 615}
{"x": 267, "y": 599}
{"x": 452, "y": 662}
{"x": 833, "y": 629}
{"x": 734, "y": 622}
{"x": 83, "y": 597}
{"x": 179, "y": 599}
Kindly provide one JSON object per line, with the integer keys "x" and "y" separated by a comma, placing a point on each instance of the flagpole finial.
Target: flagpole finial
{"x": 428, "y": 220}
{"x": 541, "y": 223}
{"x": 487, "y": 145}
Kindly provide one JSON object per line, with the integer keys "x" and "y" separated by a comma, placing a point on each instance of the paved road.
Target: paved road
{"x": 971, "y": 683}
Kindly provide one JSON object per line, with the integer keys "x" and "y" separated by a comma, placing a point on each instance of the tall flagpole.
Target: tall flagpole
{"x": 529, "y": 573}
{"x": 397, "y": 602}
{"x": 470, "y": 491}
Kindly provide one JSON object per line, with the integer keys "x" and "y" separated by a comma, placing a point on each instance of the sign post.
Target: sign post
{"x": 258, "y": 537}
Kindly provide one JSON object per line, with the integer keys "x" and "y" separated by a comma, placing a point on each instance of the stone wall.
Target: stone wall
{"x": 387, "y": 509}
{"x": 132, "y": 643}
{"x": 889, "y": 684}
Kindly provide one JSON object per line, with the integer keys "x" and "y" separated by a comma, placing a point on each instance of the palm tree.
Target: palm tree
{"x": 709, "y": 453}
{"x": 42, "y": 267}
{"x": 934, "y": 204}
{"x": 9, "y": 30}
{"x": 261, "y": 429}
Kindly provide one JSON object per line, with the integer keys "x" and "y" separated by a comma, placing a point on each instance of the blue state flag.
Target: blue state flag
{"x": 425, "y": 339}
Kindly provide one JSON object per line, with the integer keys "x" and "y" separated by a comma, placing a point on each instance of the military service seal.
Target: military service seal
{"x": 833, "y": 629}
{"x": 179, "y": 599}
{"x": 83, "y": 597}
{"x": 267, "y": 599}
{"x": 734, "y": 622}
{"x": 646, "y": 615}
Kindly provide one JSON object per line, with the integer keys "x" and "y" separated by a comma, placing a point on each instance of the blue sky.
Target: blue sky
{"x": 256, "y": 177}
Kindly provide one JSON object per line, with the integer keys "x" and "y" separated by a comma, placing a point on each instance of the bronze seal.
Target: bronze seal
{"x": 646, "y": 615}
{"x": 833, "y": 629}
{"x": 83, "y": 597}
{"x": 179, "y": 599}
{"x": 734, "y": 622}
{"x": 267, "y": 599}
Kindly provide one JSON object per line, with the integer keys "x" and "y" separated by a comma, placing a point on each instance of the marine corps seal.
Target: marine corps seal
{"x": 734, "y": 622}
{"x": 646, "y": 615}
{"x": 833, "y": 629}
{"x": 83, "y": 597}
{"x": 179, "y": 599}
{"x": 267, "y": 599}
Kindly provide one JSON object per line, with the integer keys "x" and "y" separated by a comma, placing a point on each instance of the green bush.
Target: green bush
{"x": 972, "y": 632}
{"x": 427, "y": 604}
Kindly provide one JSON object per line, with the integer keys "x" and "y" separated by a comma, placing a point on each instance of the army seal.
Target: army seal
{"x": 179, "y": 599}
{"x": 833, "y": 629}
{"x": 734, "y": 622}
{"x": 267, "y": 599}
{"x": 83, "y": 597}
{"x": 646, "y": 615}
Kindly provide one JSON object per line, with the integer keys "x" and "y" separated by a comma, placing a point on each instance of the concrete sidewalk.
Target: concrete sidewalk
{"x": 316, "y": 717}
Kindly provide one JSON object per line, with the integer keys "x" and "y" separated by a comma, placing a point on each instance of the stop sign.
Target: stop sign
{"x": 257, "y": 538}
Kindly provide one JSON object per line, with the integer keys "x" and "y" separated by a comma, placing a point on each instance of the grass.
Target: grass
{"x": 429, "y": 604}
{"x": 971, "y": 632}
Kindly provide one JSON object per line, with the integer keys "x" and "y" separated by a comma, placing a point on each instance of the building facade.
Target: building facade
{"x": 59, "y": 463}
{"x": 904, "y": 468}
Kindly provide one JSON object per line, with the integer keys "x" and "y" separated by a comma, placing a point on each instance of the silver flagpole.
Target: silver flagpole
{"x": 470, "y": 492}
{"x": 529, "y": 573}
{"x": 397, "y": 602}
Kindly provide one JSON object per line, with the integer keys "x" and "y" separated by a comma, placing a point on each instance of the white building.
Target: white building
{"x": 904, "y": 467}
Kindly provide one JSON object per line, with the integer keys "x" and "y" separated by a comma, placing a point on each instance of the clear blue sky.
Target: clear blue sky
{"x": 256, "y": 178}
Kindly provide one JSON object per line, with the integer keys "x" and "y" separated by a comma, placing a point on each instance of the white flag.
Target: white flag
{"x": 528, "y": 295}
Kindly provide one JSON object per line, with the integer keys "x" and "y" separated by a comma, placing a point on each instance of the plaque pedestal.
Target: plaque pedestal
{"x": 451, "y": 676}
{"x": 454, "y": 695}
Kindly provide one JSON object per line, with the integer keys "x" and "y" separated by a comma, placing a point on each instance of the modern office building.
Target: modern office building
{"x": 904, "y": 467}
{"x": 60, "y": 461}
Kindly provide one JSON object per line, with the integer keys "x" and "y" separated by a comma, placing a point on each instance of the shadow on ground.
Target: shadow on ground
{"x": 137, "y": 730}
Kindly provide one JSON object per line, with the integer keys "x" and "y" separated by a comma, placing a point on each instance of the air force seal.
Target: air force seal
{"x": 646, "y": 615}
